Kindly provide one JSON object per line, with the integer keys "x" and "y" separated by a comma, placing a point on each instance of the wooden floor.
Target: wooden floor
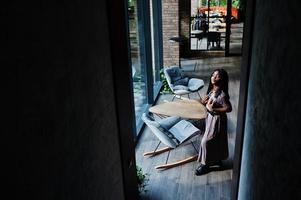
{"x": 180, "y": 183}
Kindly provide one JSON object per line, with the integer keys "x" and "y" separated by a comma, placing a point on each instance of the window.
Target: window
{"x": 146, "y": 54}
{"x": 208, "y": 25}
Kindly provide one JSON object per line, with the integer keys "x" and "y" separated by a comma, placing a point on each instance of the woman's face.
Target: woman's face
{"x": 215, "y": 78}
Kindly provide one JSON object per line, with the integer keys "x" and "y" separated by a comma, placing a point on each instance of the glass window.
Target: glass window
{"x": 145, "y": 52}
{"x": 138, "y": 67}
{"x": 208, "y": 24}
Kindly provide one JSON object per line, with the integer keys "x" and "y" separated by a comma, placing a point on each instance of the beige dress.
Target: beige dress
{"x": 214, "y": 143}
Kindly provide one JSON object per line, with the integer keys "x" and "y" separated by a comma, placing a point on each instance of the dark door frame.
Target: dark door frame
{"x": 243, "y": 94}
{"x": 121, "y": 68}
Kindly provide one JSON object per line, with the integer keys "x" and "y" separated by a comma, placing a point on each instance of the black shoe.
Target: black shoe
{"x": 202, "y": 169}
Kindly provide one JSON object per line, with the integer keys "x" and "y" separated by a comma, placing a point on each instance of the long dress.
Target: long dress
{"x": 214, "y": 143}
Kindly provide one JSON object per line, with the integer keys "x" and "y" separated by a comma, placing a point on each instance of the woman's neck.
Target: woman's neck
{"x": 215, "y": 88}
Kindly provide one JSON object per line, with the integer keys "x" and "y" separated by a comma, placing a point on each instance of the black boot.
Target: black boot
{"x": 202, "y": 169}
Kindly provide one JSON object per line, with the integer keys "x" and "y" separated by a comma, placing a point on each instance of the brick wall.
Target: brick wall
{"x": 170, "y": 26}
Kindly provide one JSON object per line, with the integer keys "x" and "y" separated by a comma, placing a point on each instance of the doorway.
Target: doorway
{"x": 216, "y": 26}
{"x": 209, "y": 188}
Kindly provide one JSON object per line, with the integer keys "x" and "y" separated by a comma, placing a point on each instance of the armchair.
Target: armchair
{"x": 180, "y": 84}
{"x": 171, "y": 131}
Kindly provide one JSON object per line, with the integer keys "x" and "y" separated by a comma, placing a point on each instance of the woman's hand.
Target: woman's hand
{"x": 204, "y": 100}
{"x": 209, "y": 105}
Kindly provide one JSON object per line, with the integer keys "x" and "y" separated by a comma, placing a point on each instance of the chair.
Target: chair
{"x": 180, "y": 84}
{"x": 213, "y": 38}
{"x": 171, "y": 131}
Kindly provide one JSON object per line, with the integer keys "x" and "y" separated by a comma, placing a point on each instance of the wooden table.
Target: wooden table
{"x": 189, "y": 109}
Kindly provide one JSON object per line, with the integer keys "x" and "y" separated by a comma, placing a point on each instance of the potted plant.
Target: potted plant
{"x": 142, "y": 179}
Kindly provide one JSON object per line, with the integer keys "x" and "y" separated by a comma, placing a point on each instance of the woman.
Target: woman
{"x": 214, "y": 144}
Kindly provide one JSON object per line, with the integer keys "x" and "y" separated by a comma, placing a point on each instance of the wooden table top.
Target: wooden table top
{"x": 189, "y": 109}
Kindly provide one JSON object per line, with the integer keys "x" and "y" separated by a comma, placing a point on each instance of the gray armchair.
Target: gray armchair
{"x": 171, "y": 131}
{"x": 180, "y": 84}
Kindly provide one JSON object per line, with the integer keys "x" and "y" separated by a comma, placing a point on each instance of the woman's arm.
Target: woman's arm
{"x": 224, "y": 109}
{"x": 225, "y": 106}
{"x": 204, "y": 100}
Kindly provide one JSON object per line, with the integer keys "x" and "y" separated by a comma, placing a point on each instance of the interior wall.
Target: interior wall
{"x": 67, "y": 143}
{"x": 270, "y": 167}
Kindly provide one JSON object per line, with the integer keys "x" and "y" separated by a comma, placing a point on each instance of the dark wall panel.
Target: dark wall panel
{"x": 66, "y": 117}
{"x": 271, "y": 156}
